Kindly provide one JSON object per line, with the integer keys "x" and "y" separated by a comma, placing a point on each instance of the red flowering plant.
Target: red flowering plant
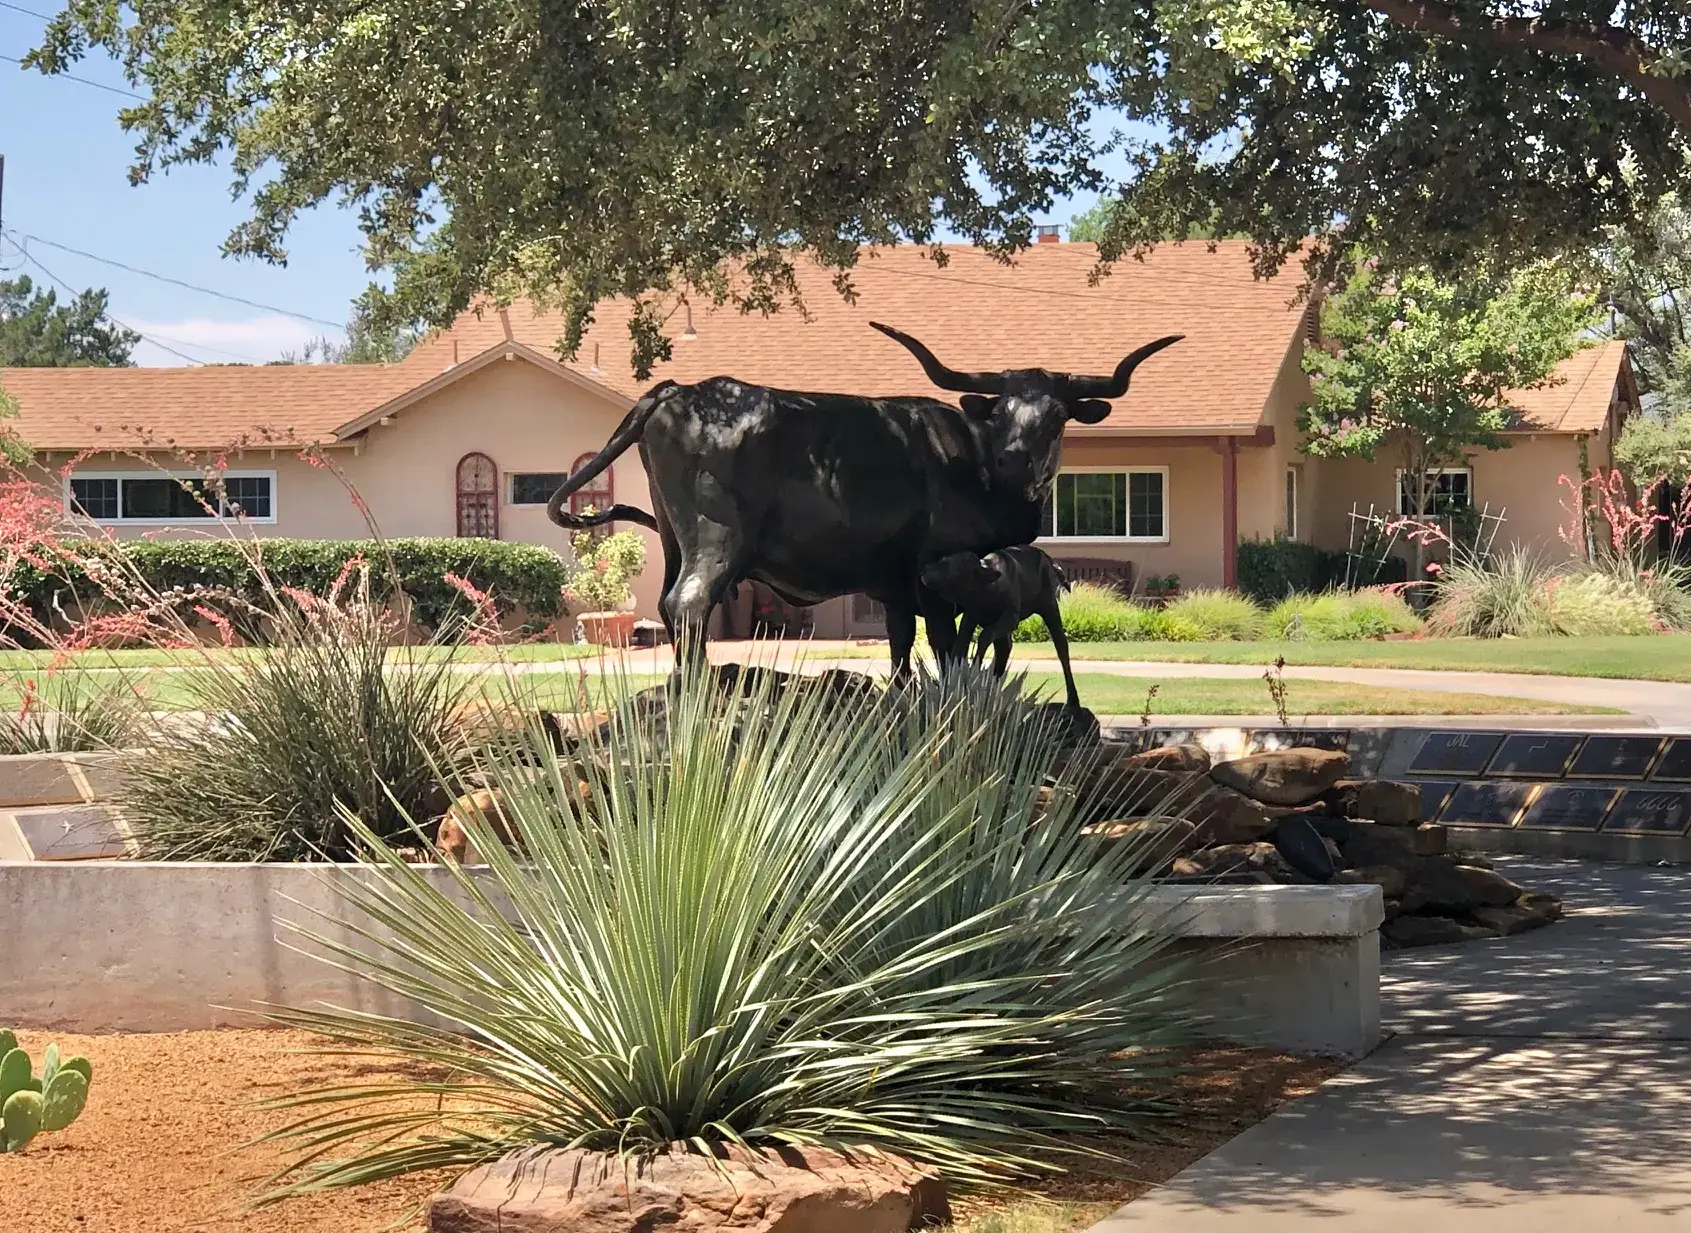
{"x": 1636, "y": 537}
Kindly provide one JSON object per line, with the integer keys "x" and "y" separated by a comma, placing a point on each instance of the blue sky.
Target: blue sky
{"x": 66, "y": 165}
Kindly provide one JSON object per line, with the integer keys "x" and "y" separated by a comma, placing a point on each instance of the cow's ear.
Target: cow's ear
{"x": 979, "y": 406}
{"x": 1089, "y": 410}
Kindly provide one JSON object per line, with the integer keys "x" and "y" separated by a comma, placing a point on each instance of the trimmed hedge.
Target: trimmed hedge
{"x": 1271, "y": 569}
{"x": 520, "y": 577}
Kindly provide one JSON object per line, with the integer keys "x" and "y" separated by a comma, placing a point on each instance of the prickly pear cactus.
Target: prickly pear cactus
{"x": 14, "y": 1073}
{"x": 30, "y": 1104}
{"x": 20, "y": 1119}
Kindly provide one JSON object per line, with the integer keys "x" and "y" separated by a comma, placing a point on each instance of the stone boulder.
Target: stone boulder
{"x": 1254, "y": 862}
{"x": 1158, "y": 838}
{"x": 1180, "y": 759}
{"x": 1283, "y": 776}
{"x": 1391, "y": 880}
{"x": 1224, "y": 816}
{"x": 1440, "y": 885}
{"x": 1530, "y": 911}
{"x": 1379, "y": 800}
{"x": 1404, "y": 931}
{"x": 786, "y": 1191}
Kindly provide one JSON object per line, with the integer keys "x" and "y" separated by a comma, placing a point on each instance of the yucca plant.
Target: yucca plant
{"x": 319, "y": 720}
{"x": 776, "y": 917}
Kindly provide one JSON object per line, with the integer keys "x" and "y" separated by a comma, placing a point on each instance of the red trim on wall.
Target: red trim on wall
{"x": 1229, "y": 512}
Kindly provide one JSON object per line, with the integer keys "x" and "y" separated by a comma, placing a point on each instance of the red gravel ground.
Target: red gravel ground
{"x": 157, "y": 1150}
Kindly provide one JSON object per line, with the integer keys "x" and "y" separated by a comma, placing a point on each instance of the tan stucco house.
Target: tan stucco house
{"x": 471, "y": 432}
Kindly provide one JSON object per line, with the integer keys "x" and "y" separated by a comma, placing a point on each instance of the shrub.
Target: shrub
{"x": 1221, "y": 615}
{"x": 313, "y": 722}
{"x": 526, "y": 577}
{"x": 1593, "y": 602}
{"x": 605, "y": 565}
{"x": 1487, "y": 598}
{"x": 1340, "y": 615}
{"x": 1270, "y": 570}
{"x": 1173, "y": 627}
{"x": 803, "y": 922}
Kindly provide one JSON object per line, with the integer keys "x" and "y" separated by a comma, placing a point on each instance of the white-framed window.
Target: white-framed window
{"x": 1294, "y": 480}
{"x": 1449, "y": 489}
{"x": 1109, "y": 503}
{"x": 160, "y": 498}
{"x": 532, "y": 487}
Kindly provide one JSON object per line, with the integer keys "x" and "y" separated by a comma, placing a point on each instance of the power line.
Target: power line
{"x": 176, "y": 282}
{"x": 18, "y": 8}
{"x": 69, "y": 290}
{"x": 85, "y": 81}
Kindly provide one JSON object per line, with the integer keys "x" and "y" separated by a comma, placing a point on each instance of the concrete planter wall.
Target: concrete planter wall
{"x": 154, "y": 947}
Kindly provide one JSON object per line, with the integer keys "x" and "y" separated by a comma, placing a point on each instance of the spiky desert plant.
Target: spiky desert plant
{"x": 780, "y": 916}
{"x": 318, "y": 720}
{"x": 58, "y": 710}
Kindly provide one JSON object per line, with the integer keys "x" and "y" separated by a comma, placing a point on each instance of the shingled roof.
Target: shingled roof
{"x": 974, "y": 312}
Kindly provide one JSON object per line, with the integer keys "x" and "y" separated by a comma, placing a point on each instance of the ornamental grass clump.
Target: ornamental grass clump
{"x": 1335, "y": 616}
{"x": 1222, "y": 616}
{"x": 1093, "y": 613}
{"x": 318, "y": 721}
{"x": 1504, "y": 594}
{"x": 775, "y": 917}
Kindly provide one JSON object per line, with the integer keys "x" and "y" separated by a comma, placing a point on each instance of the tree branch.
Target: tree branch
{"x": 1614, "y": 49}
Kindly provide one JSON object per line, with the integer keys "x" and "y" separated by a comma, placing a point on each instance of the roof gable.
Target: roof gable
{"x": 1578, "y": 396}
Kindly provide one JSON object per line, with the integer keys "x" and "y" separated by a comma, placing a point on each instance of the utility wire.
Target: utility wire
{"x": 85, "y": 81}
{"x": 69, "y": 290}
{"x": 18, "y": 8}
{"x": 175, "y": 282}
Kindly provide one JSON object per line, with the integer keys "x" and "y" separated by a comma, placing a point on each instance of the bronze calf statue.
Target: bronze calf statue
{"x": 998, "y": 592}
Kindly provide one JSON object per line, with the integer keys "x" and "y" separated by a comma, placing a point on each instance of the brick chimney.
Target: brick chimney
{"x": 1049, "y": 233}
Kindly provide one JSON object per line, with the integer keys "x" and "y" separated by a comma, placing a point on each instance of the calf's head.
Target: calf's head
{"x": 1024, "y": 410}
{"x": 963, "y": 579}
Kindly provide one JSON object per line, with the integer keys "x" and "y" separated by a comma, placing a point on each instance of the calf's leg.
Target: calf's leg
{"x": 1054, "y": 622}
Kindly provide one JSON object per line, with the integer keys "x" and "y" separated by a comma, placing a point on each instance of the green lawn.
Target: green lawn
{"x": 1106, "y": 695}
{"x": 1126, "y": 695}
{"x": 151, "y": 657}
{"x": 1656, "y": 657}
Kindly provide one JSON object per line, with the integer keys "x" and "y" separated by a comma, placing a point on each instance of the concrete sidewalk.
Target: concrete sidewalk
{"x": 1539, "y": 1084}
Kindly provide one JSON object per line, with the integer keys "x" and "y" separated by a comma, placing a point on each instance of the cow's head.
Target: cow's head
{"x": 1024, "y": 410}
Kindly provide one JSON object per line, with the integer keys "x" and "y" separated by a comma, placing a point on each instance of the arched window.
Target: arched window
{"x": 478, "y": 497}
{"x": 600, "y": 494}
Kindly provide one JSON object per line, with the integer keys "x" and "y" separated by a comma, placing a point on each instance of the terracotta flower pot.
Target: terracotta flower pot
{"x": 608, "y": 628}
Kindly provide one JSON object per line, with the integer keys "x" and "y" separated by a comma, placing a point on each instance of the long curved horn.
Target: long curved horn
{"x": 1115, "y": 386}
{"x": 939, "y": 374}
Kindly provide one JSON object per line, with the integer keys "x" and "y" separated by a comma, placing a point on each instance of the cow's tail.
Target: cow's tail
{"x": 627, "y": 433}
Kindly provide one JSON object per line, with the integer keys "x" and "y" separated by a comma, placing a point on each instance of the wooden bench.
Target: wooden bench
{"x": 1117, "y": 575}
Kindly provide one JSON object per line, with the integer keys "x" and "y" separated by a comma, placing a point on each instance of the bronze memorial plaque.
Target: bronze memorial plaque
{"x": 1615, "y": 757}
{"x": 1433, "y": 796}
{"x": 1534, "y": 755}
{"x": 1568, "y": 807}
{"x": 1651, "y": 811}
{"x": 1486, "y": 804}
{"x": 1675, "y": 766}
{"x": 77, "y": 833}
{"x": 1455, "y": 753}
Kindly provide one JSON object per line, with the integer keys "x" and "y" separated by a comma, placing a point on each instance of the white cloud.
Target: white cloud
{"x": 254, "y": 340}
